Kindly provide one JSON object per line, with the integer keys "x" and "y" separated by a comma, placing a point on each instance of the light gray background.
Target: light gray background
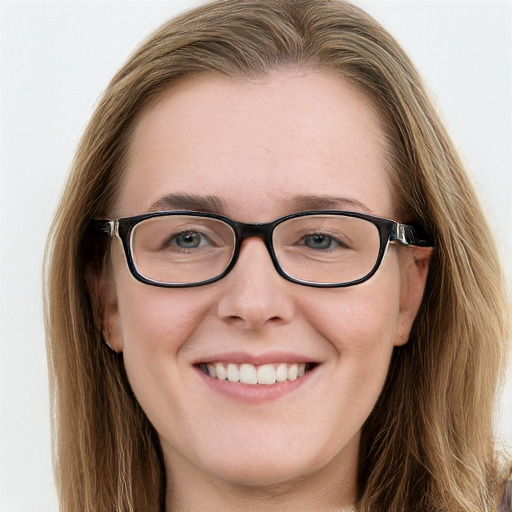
{"x": 57, "y": 57}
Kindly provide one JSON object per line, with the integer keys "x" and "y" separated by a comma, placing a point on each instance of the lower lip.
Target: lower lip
{"x": 255, "y": 393}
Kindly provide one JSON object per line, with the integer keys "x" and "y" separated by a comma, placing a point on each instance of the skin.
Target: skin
{"x": 256, "y": 146}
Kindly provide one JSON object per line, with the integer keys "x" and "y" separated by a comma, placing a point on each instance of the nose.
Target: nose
{"x": 254, "y": 294}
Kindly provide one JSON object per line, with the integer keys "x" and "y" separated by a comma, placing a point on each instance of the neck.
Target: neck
{"x": 224, "y": 499}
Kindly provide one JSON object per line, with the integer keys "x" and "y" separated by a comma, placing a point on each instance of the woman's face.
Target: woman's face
{"x": 256, "y": 151}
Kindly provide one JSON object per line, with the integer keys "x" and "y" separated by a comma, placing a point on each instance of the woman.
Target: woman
{"x": 233, "y": 321}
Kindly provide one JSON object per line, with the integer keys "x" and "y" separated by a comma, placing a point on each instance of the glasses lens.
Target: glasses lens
{"x": 182, "y": 249}
{"x": 327, "y": 249}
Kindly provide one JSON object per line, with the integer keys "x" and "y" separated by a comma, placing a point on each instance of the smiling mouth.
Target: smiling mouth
{"x": 265, "y": 374}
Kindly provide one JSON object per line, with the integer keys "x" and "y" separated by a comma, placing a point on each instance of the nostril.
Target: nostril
{"x": 255, "y": 307}
{"x": 252, "y": 319}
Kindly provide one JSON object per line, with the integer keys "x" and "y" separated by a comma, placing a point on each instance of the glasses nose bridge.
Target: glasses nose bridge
{"x": 263, "y": 231}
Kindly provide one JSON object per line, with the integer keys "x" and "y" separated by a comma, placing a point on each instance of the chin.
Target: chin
{"x": 277, "y": 464}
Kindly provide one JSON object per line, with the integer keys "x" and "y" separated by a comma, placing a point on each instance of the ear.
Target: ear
{"x": 112, "y": 333}
{"x": 104, "y": 297}
{"x": 414, "y": 265}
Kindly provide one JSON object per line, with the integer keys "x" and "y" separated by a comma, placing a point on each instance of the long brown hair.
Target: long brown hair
{"x": 429, "y": 443}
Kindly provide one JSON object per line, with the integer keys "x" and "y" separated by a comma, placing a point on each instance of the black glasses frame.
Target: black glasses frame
{"x": 389, "y": 231}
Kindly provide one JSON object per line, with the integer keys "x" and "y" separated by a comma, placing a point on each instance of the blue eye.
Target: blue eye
{"x": 322, "y": 242}
{"x": 190, "y": 240}
{"x": 319, "y": 242}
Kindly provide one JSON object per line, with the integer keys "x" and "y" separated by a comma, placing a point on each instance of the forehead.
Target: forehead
{"x": 256, "y": 144}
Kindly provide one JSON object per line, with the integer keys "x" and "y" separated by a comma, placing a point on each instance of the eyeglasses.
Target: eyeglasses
{"x": 315, "y": 248}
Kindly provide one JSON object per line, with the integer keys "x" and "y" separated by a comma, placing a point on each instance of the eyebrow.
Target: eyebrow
{"x": 214, "y": 204}
{"x": 327, "y": 202}
{"x": 206, "y": 204}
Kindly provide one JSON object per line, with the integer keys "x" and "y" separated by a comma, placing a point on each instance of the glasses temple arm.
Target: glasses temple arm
{"x": 408, "y": 234}
{"x": 108, "y": 228}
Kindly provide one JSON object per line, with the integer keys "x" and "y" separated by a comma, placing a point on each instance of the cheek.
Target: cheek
{"x": 361, "y": 324}
{"x": 357, "y": 320}
{"x": 157, "y": 325}
{"x": 154, "y": 319}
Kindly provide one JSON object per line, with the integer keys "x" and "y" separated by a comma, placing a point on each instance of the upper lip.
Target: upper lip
{"x": 257, "y": 359}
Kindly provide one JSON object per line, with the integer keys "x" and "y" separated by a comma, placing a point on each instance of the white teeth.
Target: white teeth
{"x": 293, "y": 371}
{"x": 233, "y": 373}
{"x": 220, "y": 371}
{"x": 281, "y": 372}
{"x": 266, "y": 374}
{"x": 250, "y": 374}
